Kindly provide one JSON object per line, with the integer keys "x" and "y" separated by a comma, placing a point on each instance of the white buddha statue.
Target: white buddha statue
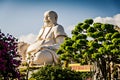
{"x": 43, "y": 50}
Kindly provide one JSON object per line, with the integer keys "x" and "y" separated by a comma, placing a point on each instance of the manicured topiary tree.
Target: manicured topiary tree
{"x": 93, "y": 43}
{"x": 9, "y": 58}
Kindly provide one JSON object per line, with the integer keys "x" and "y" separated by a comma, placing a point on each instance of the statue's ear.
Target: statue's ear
{"x": 56, "y": 18}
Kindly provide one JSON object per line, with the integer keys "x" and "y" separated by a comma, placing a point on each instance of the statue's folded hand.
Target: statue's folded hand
{"x": 46, "y": 47}
{"x": 41, "y": 48}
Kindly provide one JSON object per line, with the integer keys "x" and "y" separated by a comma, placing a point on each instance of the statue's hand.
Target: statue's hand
{"x": 44, "y": 47}
{"x": 41, "y": 48}
{"x": 49, "y": 47}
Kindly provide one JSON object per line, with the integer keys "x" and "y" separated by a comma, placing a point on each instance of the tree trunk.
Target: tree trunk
{"x": 103, "y": 67}
{"x": 66, "y": 63}
{"x": 112, "y": 70}
{"x": 97, "y": 72}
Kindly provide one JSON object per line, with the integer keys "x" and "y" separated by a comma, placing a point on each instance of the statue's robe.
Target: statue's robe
{"x": 43, "y": 50}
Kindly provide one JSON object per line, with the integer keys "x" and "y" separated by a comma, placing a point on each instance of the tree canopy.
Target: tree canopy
{"x": 92, "y": 43}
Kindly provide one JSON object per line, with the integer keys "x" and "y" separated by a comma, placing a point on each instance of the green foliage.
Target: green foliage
{"x": 88, "y": 21}
{"x": 97, "y": 26}
{"x": 63, "y": 57}
{"x": 75, "y": 45}
{"x": 82, "y": 36}
{"x": 68, "y": 42}
{"x": 78, "y": 27}
{"x": 90, "y": 34}
{"x": 68, "y": 48}
{"x": 93, "y": 42}
{"x": 85, "y": 26}
{"x": 102, "y": 50}
{"x": 98, "y": 34}
{"x": 107, "y": 27}
{"x": 60, "y": 51}
{"x": 91, "y": 49}
{"x": 115, "y": 35}
{"x": 108, "y": 36}
{"x": 56, "y": 73}
{"x": 95, "y": 56}
{"x": 101, "y": 39}
{"x": 81, "y": 42}
{"x": 75, "y": 32}
{"x": 91, "y": 29}
{"x": 115, "y": 51}
{"x": 116, "y": 41}
{"x": 109, "y": 47}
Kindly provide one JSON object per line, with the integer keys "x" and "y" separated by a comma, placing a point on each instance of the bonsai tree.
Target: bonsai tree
{"x": 9, "y": 58}
{"x": 93, "y": 43}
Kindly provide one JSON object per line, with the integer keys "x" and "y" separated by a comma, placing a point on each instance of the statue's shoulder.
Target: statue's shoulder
{"x": 59, "y": 30}
{"x": 59, "y": 27}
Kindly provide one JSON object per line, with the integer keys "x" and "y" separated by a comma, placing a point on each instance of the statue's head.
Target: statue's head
{"x": 50, "y": 18}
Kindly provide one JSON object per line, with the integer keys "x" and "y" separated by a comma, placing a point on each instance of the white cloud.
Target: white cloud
{"x": 69, "y": 29}
{"x": 30, "y": 38}
{"x": 110, "y": 20}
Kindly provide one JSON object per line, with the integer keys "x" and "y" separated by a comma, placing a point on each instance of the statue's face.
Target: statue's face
{"x": 49, "y": 18}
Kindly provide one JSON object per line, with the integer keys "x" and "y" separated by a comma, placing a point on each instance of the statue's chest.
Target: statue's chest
{"x": 47, "y": 33}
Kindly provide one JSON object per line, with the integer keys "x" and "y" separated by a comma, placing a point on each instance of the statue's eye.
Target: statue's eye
{"x": 48, "y": 16}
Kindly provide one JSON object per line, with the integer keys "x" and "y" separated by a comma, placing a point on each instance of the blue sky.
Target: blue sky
{"x": 22, "y": 17}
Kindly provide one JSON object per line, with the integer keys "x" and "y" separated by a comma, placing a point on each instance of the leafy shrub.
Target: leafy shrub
{"x": 56, "y": 73}
{"x": 9, "y": 57}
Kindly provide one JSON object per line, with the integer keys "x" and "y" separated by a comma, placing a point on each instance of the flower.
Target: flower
{"x": 9, "y": 61}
